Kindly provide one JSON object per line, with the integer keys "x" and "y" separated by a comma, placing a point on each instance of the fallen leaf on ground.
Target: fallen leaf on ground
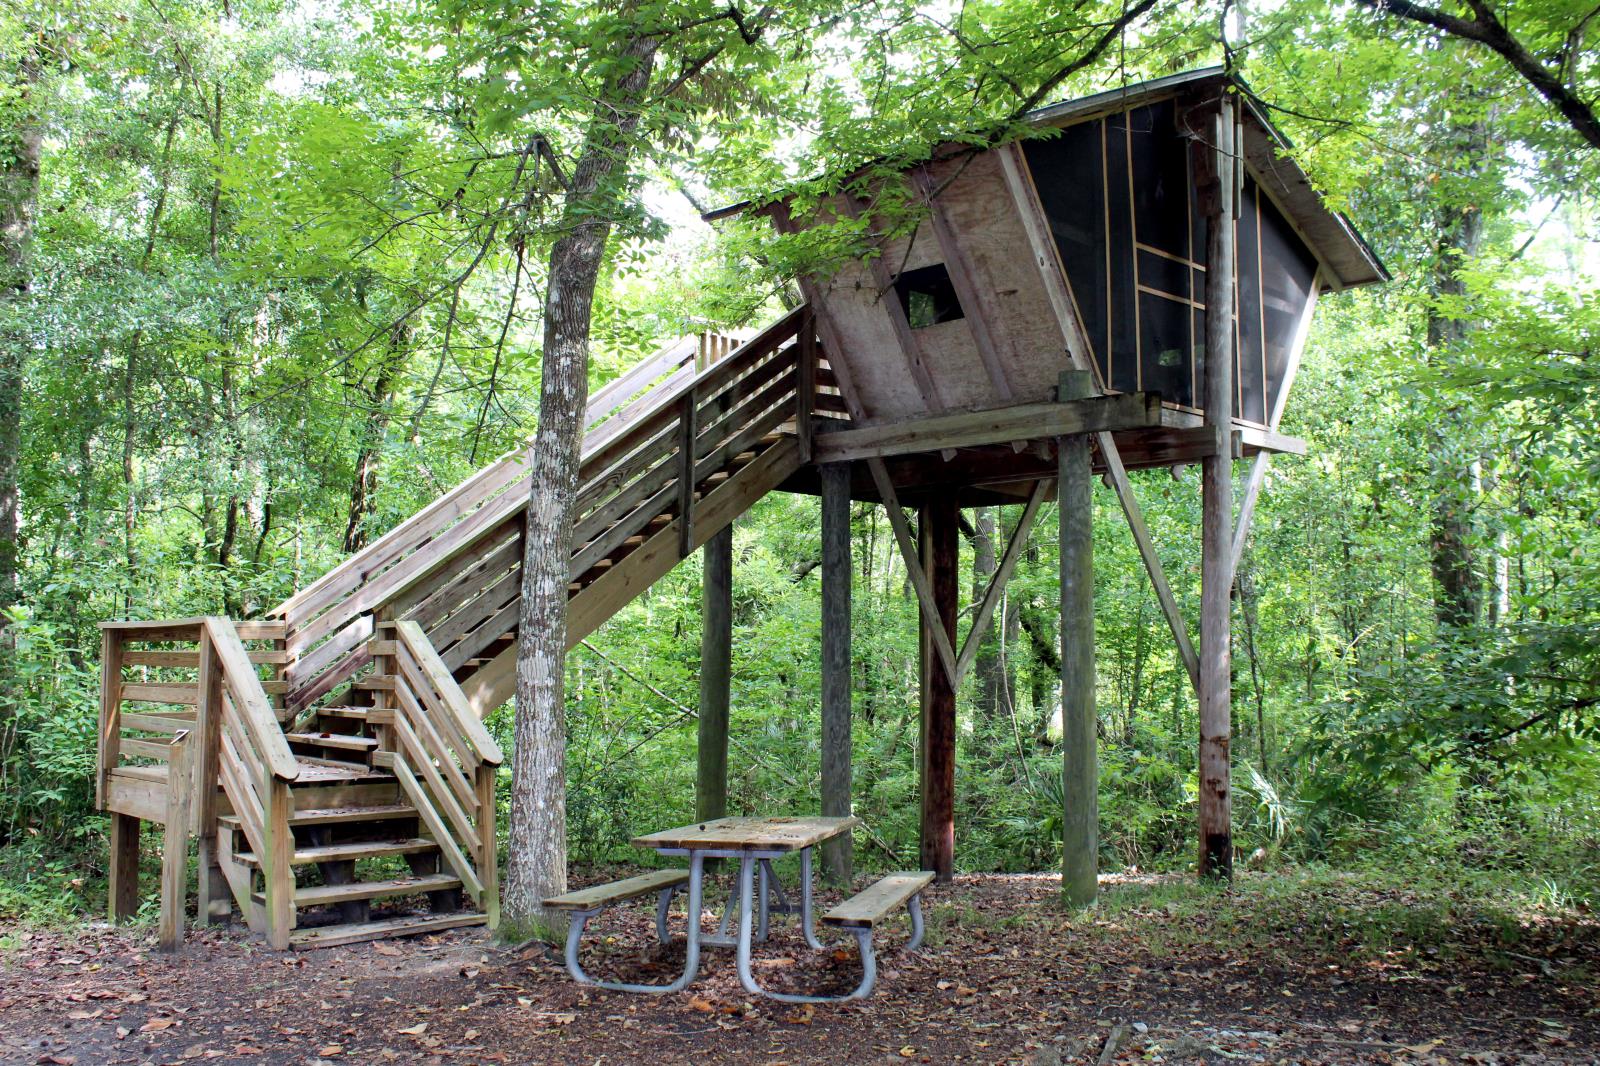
{"x": 415, "y": 1030}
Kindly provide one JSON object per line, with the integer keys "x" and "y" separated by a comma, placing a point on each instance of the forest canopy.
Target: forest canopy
{"x": 274, "y": 278}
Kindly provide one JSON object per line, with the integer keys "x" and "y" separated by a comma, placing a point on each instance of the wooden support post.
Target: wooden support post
{"x": 488, "y": 857}
{"x": 277, "y": 871}
{"x": 175, "y": 840}
{"x": 110, "y": 713}
{"x": 716, "y": 666}
{"x": 206, "y": 742}
{"x": 123, "y": 890}
{"x": 1216, "y": 520}
{"x": 939, "y": 530}
{"x": 1080, "y": 764}
{"x": 836, "y": 572}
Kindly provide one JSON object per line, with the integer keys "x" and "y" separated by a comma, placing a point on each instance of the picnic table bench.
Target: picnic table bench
{"x": 755, "y": 843}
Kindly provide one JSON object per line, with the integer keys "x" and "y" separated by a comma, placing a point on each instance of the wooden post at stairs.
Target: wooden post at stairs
{"x": 175, "y": 840}
{"x": 123, "y": 898}
{"x": 488, "y": 857}
{"x": 206, "y": 743}
{"x": 939, "y": 533}
{"x": 836, "y": 572}
{"x": 1080, "y": 774}
{"x": 716, "y": 666}
{"x": 1216, "y": 521}
{"x": 277, "y": 872}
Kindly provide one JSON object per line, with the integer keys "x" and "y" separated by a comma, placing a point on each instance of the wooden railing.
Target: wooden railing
{"x": 206, "y": 719}
{"x": 245, "y": 743}
{"x": 329, "y": 624}
{"x": 453, "y": 567}
{"x": 443, "y": 758}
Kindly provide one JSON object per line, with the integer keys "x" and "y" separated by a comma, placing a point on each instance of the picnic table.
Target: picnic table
{"x": 757, "y": 895}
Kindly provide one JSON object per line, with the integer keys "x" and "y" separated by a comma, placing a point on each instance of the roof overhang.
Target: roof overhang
{"x": 1332, "y": 237}
{"x": 1347, "y": 259}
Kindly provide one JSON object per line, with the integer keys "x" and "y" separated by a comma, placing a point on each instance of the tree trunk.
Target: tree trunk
{"x": 1453, "y": 555}
{"x": 19, "y": 197}
{"x": 364, "y": 484}
{"x": 537, "y": 864}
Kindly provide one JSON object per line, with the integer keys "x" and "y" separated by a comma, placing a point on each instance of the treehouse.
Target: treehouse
{"x": 1131, "y": 288}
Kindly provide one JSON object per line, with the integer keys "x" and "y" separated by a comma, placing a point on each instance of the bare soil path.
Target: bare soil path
{"x": 1280, "y": 970}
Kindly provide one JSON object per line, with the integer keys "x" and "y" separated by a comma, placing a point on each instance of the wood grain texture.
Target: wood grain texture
{"x": 779, "y": 833}
{"x": 878, "y": 901}
{"x": 618, "y": 891}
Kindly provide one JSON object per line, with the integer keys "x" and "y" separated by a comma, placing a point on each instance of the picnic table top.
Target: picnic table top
{"x": 750, "y": 834}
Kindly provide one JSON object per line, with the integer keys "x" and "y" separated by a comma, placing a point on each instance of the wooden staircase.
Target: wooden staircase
{"x": 337, "y": 769}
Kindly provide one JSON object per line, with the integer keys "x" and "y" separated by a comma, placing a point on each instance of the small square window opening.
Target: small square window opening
{"x": 928, "y": 296}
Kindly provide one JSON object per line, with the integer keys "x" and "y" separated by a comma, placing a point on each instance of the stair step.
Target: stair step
{"x": 345, "y": 741}
{"x": 319, "y": 771}
{"x": 334, "y": 815}
{"x": 358, "y": 714}
{"x": 328, "y": 936}
{"x": 317, "y": 895}
{"x": 367, "y": 849}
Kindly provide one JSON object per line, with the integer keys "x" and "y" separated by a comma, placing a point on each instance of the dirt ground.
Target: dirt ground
{"x": 1157, "y": 974}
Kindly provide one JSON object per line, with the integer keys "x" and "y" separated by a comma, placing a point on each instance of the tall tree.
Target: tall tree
{"x": 537, "y": 867}
{"x": 20, "y": 136}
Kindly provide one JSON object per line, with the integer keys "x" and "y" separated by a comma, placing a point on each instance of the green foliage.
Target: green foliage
{"x": 285, "y": 288}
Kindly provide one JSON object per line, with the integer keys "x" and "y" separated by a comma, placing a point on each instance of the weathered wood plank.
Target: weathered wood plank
{"x": 749, "y": 834}
{"x": 250, "y": 702}
{"x": 123, "y": 893}
{"x": 647, "y": 884}
{"x": 183, "y": 694}
{"x": 998, "y": 426}
{"x": 460, "y": 714}
{"x": 872, "y": 905}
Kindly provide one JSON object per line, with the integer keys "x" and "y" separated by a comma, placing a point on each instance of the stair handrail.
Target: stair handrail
{"x": 616, "y": 416}
{"x": 254, "y": 766}
{"x": 455, "y": 707}
{"x": 250, "y": 708}
{"x": 445, "y": 762}
{"x": 482, "y": 484}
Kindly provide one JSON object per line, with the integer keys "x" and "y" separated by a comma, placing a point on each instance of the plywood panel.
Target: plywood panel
{"x": 980, "y": 210}
{"x": 971, "y": 190}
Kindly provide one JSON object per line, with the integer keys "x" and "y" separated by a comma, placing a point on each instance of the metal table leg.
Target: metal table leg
{"x": 805, "y": 901}
{"x": 691, "y": 954}
{"x": 869, "y": 962}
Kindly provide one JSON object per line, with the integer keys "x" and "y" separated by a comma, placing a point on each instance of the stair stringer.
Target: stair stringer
{"x": 495, "y": 681}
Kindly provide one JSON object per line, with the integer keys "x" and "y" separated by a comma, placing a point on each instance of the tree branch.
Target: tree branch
{"x": 1487, "y": 29}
